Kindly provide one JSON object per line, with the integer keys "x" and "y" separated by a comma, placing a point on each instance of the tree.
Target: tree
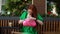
{"x": 15, "y": 7}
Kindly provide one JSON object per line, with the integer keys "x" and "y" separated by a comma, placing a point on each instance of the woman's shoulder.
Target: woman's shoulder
{"x": 39, "y": 17}
{"x": 24, "y": 12}
{"x": 23, "y": 15}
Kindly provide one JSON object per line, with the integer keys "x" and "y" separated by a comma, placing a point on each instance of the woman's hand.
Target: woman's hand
{"x": 32, "y": 18}
{"x": 40, "y": 22}
{"x": 20, "y": 21}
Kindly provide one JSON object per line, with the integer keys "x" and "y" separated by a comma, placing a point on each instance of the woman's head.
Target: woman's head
{"x": 32, "y": 10}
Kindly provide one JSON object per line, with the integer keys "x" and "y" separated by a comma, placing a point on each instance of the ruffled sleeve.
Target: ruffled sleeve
{"x": 39, "y": 17}
{"x": 23, "y": 15}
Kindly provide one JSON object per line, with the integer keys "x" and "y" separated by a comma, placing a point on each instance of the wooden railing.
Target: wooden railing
{"x": 51, "y": 25}
{"x": 4, "y": 24}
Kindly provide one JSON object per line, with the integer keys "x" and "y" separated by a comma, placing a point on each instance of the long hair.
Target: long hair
{"x": 34, "y": 10}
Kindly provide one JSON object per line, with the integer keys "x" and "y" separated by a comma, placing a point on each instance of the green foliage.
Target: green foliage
{"x": 49, "y": 7}
{"x": 15, "y": 6}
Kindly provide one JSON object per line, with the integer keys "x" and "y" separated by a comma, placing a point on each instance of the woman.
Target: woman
{"x": 32, "y": 13}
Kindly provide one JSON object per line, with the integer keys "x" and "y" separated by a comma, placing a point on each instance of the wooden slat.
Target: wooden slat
{"x": 48, "y": 27}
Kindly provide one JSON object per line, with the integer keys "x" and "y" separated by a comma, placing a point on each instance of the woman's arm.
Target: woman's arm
{"x": 40, "y": 22}
{"x": 20, "y": 21}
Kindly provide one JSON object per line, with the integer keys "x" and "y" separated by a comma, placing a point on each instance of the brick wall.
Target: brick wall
{"x": 40, "y": 4}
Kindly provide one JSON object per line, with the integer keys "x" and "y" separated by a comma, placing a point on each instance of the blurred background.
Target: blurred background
{"x": 10, "y": 10}
{"x": 13, "y": 7}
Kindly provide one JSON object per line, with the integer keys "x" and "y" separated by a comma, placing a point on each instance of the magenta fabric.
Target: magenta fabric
{"x": 29, "y": 22}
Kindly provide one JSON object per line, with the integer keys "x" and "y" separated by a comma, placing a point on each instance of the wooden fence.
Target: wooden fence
{"x": 51, "y": 25}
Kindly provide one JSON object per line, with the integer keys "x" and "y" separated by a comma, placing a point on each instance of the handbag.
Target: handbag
{"x": 29, "y": 22}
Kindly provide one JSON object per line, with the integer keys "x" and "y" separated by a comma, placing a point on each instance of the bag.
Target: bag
{"x": 29, "y": 22}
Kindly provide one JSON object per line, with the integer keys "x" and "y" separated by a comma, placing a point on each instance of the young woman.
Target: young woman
{"x": 32, "y": 14}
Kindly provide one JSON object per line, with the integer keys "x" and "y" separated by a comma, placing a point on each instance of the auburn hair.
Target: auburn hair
{"x": 34, "y": 10}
